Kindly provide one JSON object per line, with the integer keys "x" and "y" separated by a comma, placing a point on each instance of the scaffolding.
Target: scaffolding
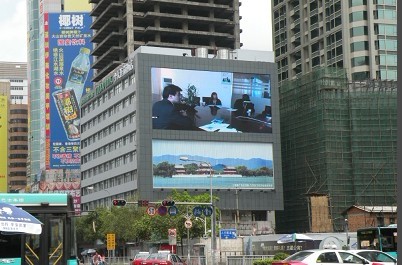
{"x": 338, "y": 143}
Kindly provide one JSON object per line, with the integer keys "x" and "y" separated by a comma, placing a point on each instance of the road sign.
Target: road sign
{"x": 172, "y": 236}
{"x": 151, "y": 211}
{"x": 172, "y": 232}
{"x": 162, "y": 210}
{"x": 173, "y": 210}
{"x": 110, "y": 241}
{"x": 208, "y": 211}
{"x": 188, "y": 224}
{"x": 228, "y": 233}
{"x": 197, "y": 211}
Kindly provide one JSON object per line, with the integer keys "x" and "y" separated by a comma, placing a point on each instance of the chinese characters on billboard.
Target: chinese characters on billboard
{"x": 211, "y": 101}
{"x": 69, "y": 78}
{"x": 190, "y": 165}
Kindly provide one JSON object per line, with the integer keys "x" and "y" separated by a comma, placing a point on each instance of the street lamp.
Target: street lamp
{"x": 213, "y": 239}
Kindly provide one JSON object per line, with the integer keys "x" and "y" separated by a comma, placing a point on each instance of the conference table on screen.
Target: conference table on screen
{"x": 223, "y": 119}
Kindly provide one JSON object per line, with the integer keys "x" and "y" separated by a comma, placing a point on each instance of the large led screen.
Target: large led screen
{"x": 211, "y": 101}
{"x": 190, "y": 165}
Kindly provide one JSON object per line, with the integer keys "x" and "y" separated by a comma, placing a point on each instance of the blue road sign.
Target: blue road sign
{"x": 197, "y": 211}
{"x": 208, "y": 211}
{"x": 228, "y": 233}
{"x": 173, "y": 210}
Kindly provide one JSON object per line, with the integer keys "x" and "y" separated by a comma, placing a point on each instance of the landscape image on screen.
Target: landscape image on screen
{"x": 229, "y": 165}
{"x": 212, "y": 101}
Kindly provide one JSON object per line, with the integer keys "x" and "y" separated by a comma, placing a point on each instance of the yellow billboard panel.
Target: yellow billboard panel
{"x": 3, "y": 142}
{"x": 77, "y": 6}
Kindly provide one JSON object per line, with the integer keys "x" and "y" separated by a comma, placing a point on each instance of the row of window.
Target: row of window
{"x": 129, "y": 119}
{"x": 16, "y": 88}
{"x": 17, "y": 97}
{"x": 16, "y": 81}
{"x": 109, "y": 165}
{"x": 379, "y": 29}
{"x": 18, "y": 111}
{"x": 19, "y": 121}
{"x": 124, "y": 103}
{"x": 117, "y": 180}
{"x": 126, "y": 139}
{"x": 113, "y": 91}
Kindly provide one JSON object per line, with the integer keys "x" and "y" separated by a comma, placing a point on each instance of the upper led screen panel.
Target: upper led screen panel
{"x": 211, "y": 101}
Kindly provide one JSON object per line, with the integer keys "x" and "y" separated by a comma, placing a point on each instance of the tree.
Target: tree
{"x": 131, "y": 223}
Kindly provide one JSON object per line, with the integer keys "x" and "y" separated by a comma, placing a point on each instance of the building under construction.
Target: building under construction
{"x": 338, "y": 148}
{"x": 123, "y": 26}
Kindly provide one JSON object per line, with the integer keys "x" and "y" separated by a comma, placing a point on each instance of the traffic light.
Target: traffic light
{"x": 118, "y": 202}
{"x": 167, "y": 203}
{"x": 143, "y": 203}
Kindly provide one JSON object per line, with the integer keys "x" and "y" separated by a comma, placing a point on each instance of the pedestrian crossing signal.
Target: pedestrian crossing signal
{"x": 118, "y": 202}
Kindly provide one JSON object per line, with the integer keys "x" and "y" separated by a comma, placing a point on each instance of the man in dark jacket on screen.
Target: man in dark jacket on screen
{"x": 164, "y": 113}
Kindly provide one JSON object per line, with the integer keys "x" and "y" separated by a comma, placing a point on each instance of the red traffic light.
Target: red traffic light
{"x": 143, "y": 203}
{"x": 119, "y": 202}
{"x": 167, "y": 203}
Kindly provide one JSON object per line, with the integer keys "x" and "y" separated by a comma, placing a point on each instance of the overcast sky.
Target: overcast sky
{"x": 255, "y": 24}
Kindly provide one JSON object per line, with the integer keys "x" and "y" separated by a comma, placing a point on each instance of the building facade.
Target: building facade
{"x": 122, "y": 27}
{"x": 125, "y": 153}
{"x": 15, "y": 89}
{"x": 338, "y": 148}
{"x": 358, "y": 35}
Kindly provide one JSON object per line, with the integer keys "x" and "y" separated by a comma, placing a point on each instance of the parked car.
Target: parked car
{"x": 322, "y": 256}
{"x": 139, "y": 257}
{"x": 163, "y": 258}
{"x": 375, "y": 256}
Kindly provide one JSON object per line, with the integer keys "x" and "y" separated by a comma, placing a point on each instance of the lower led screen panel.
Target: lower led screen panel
{"x": 232, "y": 165}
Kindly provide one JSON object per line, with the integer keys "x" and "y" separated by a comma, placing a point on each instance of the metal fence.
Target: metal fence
{"x": 196, "y": 260}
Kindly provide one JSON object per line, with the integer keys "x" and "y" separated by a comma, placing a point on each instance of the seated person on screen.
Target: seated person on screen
{"x": 243, "y": 106}
{"x": 165, "y": 115}
{"x": 265, "y": 115}
{"x": 214, "y": 100}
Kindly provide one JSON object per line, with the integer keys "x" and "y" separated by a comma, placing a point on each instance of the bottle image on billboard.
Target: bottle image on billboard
{"x": 78, "y": 73}
{"x": 67, "y": 107}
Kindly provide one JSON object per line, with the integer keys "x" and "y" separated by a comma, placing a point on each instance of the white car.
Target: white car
{"x": 375, "y": 256}
{"x": 323, "y": 257}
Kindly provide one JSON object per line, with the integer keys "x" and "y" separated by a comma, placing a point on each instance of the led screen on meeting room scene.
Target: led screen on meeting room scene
{"x": 190, "y": 164}
{"x": 213, "y": 101}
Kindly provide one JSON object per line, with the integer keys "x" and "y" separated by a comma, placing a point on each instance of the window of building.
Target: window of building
{"x": 361, "y": 60}
{"x": 385, "y": 44}
{"x": 384, "y": 14}
{"x": 358, "y": 31}
{"x": 388, "y": 59}
{"x": 360, "y": 76}
{"x": 385, "y": 29}
{"x": 357, "y": 2}
{"x": 358, "y": 16}
{"x": 385, "y": 2}
{"x": 359, "y": 46}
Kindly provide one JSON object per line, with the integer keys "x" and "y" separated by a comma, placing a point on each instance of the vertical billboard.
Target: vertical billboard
{"x": 211, "y": 101}
{"x": 69, "y": 79}
{"x": 181, "y": 164}
{"x": 3, "y": 142}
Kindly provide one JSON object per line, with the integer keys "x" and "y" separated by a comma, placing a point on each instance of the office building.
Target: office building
{"x": 233, "y": 152}
{"x": 339, "y": 141}
{"x": 120, "y": 27}
{"x": 358, "y": 35}
{"x": 15, "y": 117}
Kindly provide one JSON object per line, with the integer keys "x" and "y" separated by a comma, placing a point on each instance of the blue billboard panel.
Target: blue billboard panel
{"x": 69, "y": 78}
{"x": 211, "y": 101}
{"x": 205, "y": 164}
